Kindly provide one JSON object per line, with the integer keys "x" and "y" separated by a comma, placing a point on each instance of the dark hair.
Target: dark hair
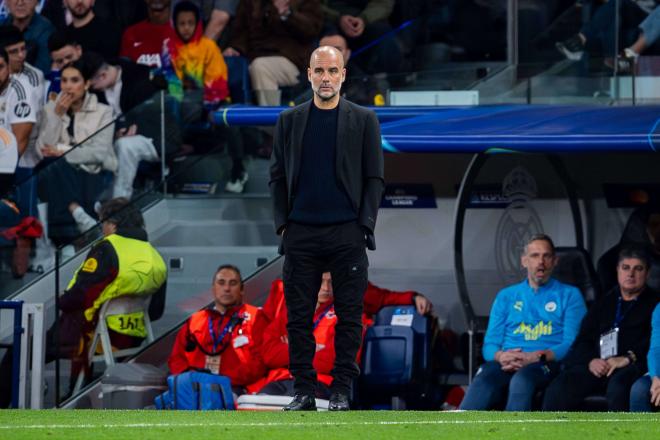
{"x": 4, "y": 55}
{"x": 10, "y": 35}
{"x": 58, "y": 40}
{"x": 185, "y": 6}
{"x": 94, "y": 62}
{"x": 229, "y": 267}
{"x": 540, "y": 237}
{"x": 122, "y": 213}
{"x": 638, "y": 251}
{"x": 81, "y": 67}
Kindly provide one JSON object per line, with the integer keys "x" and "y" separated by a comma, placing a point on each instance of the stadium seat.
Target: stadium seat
{"x": 397, "y": 355}
{"x": 120, "y": 305}
{"x": 576, "y": 268}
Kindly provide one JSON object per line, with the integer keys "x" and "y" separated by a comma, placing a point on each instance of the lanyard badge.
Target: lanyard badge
{"x": 609, "y": 343}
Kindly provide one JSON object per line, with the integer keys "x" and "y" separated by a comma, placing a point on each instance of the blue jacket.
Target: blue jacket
{"x": 529, "y": 320}
{"x": 36, "y": 40}
{"x": 654, "y": 350}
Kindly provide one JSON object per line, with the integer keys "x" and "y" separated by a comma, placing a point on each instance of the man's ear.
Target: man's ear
{"x": 309, "y": 74}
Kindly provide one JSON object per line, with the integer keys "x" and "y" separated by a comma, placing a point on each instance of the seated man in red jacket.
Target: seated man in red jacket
{"x": 275, "y": 346}
{"x": 223, "y": 338}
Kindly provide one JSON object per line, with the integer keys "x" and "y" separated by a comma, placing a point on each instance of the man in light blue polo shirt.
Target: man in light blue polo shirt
{"x": 531, "y": 327}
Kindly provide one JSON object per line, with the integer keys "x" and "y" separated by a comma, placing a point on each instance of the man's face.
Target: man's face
{"x": 185, "y": 25}
{"x": 158, "y": 5}
{"x": 631, "y": 274}
{"x": 105, "y": 78}
{"x": 79, "y": 8}
{"x": 539, "y": 260}
{"x": 325, "y": 292}
{"x": 4, "y": 74}
{"x": 65, "y": 55}
{"x": 21, "y": 8}
{"x": 326, "y": 73}
{"x": 17, "y": 53}
{"x": 227, "y": 288}
{"x": 339, "y": 43}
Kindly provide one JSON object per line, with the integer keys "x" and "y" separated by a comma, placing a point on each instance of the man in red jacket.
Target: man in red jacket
{"x": 223, "y": 338}
{"x": 275, "y": 346}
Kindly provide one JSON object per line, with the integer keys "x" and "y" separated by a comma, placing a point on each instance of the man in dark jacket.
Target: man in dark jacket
{"x": 326, "y": 181}
{"x": 609, "y": 353}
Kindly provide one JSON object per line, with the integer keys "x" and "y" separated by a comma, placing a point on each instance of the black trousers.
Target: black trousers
{"x": 569, "y": 389}
{"x": 309, "y": 251}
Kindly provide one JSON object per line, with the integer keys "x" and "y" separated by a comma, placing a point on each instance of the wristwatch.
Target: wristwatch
{"x": 632, "y": 357}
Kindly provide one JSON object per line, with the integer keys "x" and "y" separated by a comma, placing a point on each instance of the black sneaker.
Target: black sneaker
{"x": 573, "y": 48}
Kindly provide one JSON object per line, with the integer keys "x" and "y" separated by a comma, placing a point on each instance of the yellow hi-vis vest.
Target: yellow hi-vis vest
{"x": 141, "y": 271}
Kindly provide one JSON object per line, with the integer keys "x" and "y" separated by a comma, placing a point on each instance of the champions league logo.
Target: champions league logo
{"x": 517, "y": 224}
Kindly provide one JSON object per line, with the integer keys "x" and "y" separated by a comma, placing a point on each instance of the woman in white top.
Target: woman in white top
{"x": 80, "y": 129}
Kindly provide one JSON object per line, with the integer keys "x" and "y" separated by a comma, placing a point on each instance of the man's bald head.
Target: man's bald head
{"x": 326, "y": 73}
{"x": 326, "y": 52}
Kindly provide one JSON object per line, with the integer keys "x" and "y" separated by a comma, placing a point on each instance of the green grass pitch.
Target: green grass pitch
{"x": 361, "y": 425}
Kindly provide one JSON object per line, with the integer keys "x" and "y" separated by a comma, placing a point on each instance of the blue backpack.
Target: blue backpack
{"x": 193, "y": 390}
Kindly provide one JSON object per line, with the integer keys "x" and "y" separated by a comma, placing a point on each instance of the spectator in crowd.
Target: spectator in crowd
{"x": 645, "y": 393}
{"x": 194, "y": 62}
{"x": 609, "y": 353}
{"x": 17, "y": 116}
{"x": 217, "y": 15}
{"x": 130, "y": 89}
{"x": 62, "y": 51}
{"x": 74, "y": 119}
{"x": 32, "y": 80}
{"x": 649, "y": 32}
{"x": 197, "y": 76}
{"x": 35, "y": 28}
{"x": 93, "y": 33}
{"x": 358, "y": 86}
{"x": 531, "y": 327}
{"x": 600, "y": 33}
{"x": 275, "y": 347}
{"x": 31, "y": 93}
{"x": 143, "y": 41}
{"x": 224, "y": 338}
{"x": 18, "y": 112}
{"x": 362, "y": 22}
{"x": 277, "y": 36}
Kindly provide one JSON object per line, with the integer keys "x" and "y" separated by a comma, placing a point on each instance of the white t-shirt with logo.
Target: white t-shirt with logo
{"x": 34, "y": 96}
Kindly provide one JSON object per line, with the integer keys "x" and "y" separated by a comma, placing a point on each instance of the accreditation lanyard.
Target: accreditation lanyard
{"x": 227, "y": 329}
{"x": 619, "y": 314}
{"x": 321, "y": 316}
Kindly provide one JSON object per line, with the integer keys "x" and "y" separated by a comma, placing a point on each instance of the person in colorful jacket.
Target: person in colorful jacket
{"x": 192, "y": 61}
{"x": 531, "y": 328}
{"x": 223, "y": 338}
{"x": 122, "y": 263}
{"x": 275, "y": 346}
{"x": 645, "y": 393}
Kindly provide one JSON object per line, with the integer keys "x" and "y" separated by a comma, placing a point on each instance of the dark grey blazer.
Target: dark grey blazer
{"x": 359, "y": 162}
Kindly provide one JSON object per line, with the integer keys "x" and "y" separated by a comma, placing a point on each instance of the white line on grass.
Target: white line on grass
{"x": 310, "y": 424}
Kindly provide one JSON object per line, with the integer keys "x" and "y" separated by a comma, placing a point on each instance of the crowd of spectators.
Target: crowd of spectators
{"x": 81, "y": 77}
